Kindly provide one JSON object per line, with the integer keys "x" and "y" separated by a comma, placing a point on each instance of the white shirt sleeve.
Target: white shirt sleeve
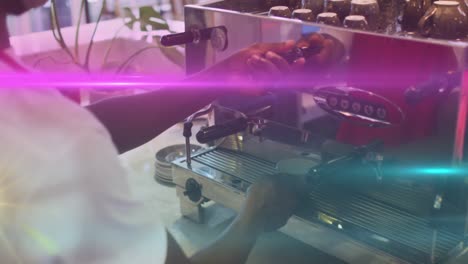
{"x": 69, "y": 198}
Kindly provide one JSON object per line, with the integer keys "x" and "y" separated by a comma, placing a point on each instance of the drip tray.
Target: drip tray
{"x": 384, "y": 218}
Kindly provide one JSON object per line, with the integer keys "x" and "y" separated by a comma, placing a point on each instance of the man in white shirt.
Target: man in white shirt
{"x": 64, "y": 197}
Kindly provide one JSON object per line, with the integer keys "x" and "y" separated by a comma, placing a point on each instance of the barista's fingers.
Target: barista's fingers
{"x": 264, "y": 67}
{"x": 278, "y": 61}
{"x": 298, "y": 65}
{"x": 251, "y": 67}
{"x": 311, "y": 40}
{"x": 315, "y": 39}
{"x": 318, "y": 40}
{"x": 325, "y": 55}
{"x": 279, "y": 47}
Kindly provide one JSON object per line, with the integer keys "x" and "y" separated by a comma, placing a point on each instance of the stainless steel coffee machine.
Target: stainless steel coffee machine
{"x": 383, "y": 134}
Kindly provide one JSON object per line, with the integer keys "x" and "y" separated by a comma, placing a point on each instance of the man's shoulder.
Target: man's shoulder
{"x": 51, "y": 138}
{"x": 59, "y": 162}
{"x": 45, "y": 119}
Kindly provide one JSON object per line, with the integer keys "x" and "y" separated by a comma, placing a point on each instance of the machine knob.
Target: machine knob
{"x": 219, "y": 39}
{"x": 193, "y": 190}
{"x": 217, "y": 35}
{"x": 180, "y": 38}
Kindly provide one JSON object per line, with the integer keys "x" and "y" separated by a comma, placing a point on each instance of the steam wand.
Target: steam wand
{"x": 188, "y": 124}
{"x": 364, "y": 154}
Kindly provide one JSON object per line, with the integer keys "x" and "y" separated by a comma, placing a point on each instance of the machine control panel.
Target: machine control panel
{"x": 359, "y": 106}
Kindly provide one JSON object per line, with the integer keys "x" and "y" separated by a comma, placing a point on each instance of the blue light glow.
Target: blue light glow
{"x": 435, "y": 171}
{"x": 439, "y": 171}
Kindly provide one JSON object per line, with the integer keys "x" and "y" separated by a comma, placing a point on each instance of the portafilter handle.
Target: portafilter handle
{"x": 212, "y": 133}
{"x": 250, "y": 114}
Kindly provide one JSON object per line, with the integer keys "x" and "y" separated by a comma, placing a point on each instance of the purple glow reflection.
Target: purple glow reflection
{"x": 95, "y": 81}
{"x": 102, "y": 81}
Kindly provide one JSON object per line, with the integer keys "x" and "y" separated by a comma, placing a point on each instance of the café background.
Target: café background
{"x": 38, "y": 20}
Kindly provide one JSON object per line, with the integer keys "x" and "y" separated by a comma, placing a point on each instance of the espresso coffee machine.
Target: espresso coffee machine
{"x": 383, "y": 134}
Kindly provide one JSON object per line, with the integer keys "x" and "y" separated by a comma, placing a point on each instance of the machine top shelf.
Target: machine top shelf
{"x": 262, "y": 13}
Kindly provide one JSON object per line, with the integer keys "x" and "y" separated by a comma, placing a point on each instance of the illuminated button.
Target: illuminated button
{"x": 381, "y": 113}
{"x": 369, "y": 110}
{"x": 356, "y": 107}
{"x": 344, "y": 104}
{"x": 333, "y": 101}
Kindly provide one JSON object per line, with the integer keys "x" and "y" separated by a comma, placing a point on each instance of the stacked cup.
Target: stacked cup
{"x": 446, "y": 19}
{"x": 354, "y": 14}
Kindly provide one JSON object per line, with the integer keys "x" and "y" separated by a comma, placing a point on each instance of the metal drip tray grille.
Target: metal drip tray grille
{"x": 410, "y": 199}
{"x": 240, "y": 165}
{"x": 382, "y": 219}
{"x": 364, "y": 214}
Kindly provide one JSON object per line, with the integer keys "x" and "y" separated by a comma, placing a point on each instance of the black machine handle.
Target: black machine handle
{"x": 209, "y": 134}
{"x": 192, "y": 36}
{"x": 178, "y": 39}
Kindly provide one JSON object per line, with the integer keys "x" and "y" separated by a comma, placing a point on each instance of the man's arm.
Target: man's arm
{"x": 135, "y": 120}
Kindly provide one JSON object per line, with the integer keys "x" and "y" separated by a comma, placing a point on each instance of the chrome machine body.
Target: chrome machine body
{"x": 382, "y": 218}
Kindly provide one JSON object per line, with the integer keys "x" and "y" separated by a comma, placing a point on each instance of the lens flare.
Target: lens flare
{"x": 438, "y": 171}
{"x": 218, "y": 81}
{"x": 8, "y": 208}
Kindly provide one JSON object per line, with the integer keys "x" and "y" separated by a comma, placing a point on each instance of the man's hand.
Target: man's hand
{"x": 270, "y": 203}
{"x": 265, "y": 62}
{"x": 261, "y": 61}
{"x": 256, "y": 67}
{"x": 332, "y": 50}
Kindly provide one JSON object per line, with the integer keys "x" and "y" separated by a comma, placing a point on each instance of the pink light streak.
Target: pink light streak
{"x": 98, "y": 81}
{"x": 102, "y": 81}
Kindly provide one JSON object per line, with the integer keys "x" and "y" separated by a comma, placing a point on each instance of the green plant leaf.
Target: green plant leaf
{"x": 129, "y": 14}
{"x": 149, "y": 16}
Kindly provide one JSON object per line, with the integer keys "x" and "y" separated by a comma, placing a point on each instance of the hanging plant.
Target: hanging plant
{"x": 149, "y": 20}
